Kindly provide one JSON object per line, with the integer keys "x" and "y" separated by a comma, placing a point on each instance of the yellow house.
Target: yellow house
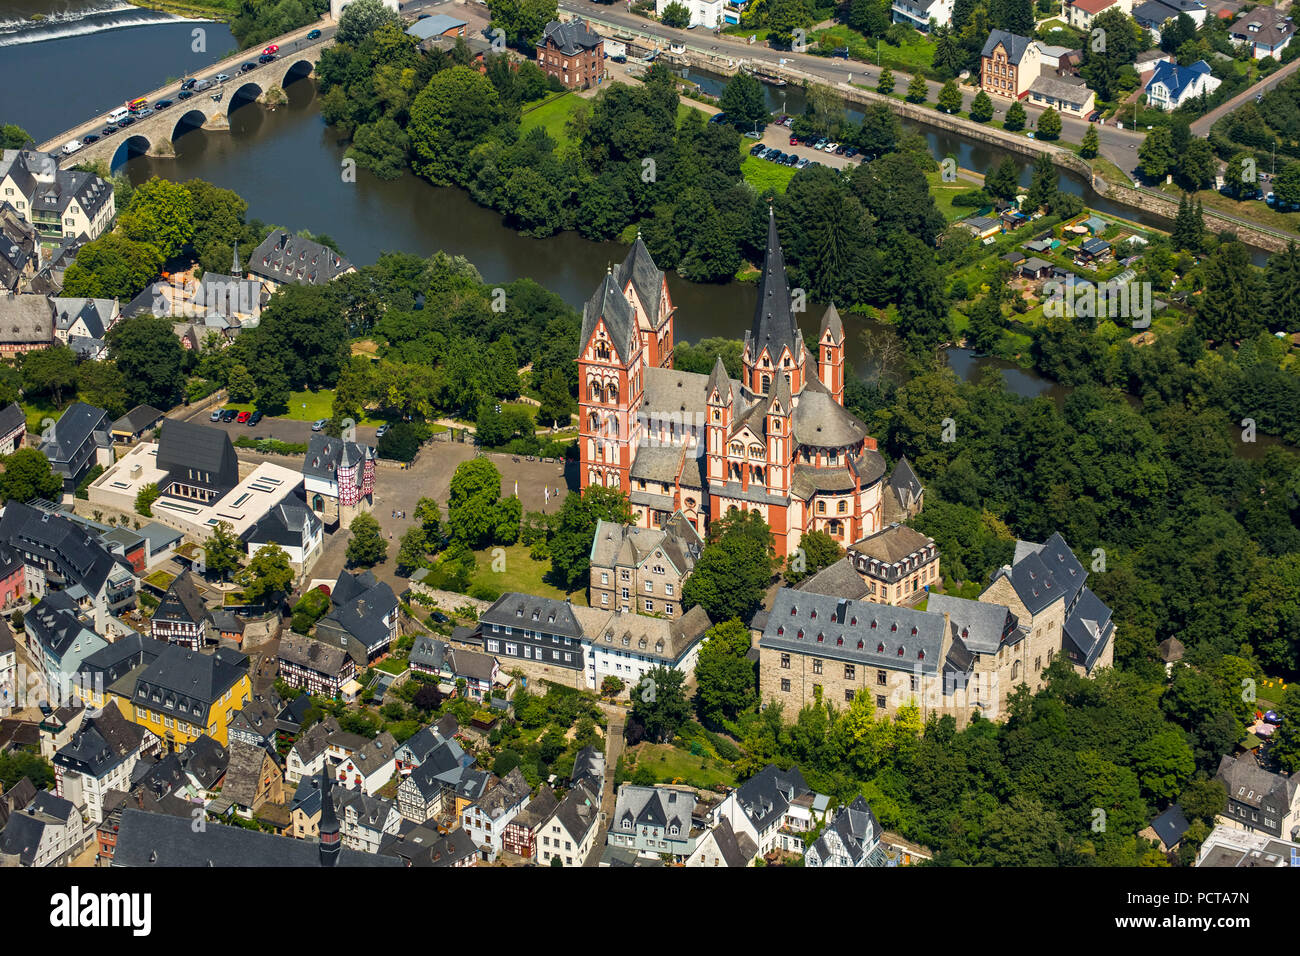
{"x": 184, "y": 694}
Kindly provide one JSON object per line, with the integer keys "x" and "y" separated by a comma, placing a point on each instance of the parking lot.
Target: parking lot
{"x": 283, "y": 429}
{"x": 778, "y": 137}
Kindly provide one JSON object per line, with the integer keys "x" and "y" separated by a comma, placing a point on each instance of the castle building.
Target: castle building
{"x": 778, "y": 441}
{"x": 338, "y": 479}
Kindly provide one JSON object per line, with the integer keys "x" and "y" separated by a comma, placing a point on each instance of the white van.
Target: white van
{"x": 71, "y": 146}
{"x": 118, "y": 115}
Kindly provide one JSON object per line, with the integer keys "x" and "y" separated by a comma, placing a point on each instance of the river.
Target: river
{"x": 287, "y": 164}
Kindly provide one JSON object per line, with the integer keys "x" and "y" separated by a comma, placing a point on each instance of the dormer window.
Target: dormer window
{"x": 880, "y": 648}
{"x": 900, "y": 650}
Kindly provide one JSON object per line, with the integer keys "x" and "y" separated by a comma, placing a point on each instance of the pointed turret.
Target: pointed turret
{"x": 718, "y": 379}
{"x": 234, "y": 262}
{"x": 831, "y": 323}
{"x": 830, "y": 354}
{"x": 329, "y": 824}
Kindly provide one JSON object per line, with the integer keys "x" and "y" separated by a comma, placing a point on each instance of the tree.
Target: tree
{"x": 742, "y": 98}
{"x": 267, "y": 576}
{"x": 1043, "y": 183}
{"x": 1015, "y": 120}
{"x": 659, "y": 702}
{"x": 557, "y": 404}
{"x": 1197, "y": 167}
{"x": 1091, "y": 144}
{"x": 950, "y": 98}
{"x": 301, "y": 334}
{"x": 725, "y": 677}
{"x": 145, "y": 498}
{"x": 611, "y": 686}
{"x": 150, "y": 358}
{"x": 429, "y": 517}
{"x": 1004, "y": 181}
{"x": 102, "y": 384}
{"x": 1049, "y": 125}
{"x": 676, "y": 15}
{"x": 222, "y": 551}
{"x": 885, "y": 85}
{"x": 411, "y": 550}
{"x": 366, "y": 544}
{"x": 1108, "y": 66}
{"x": 1156, "y": 154}
{"x": 27, "y": 475}
{"x": 13, "y": 136}
{"x": 50, "y": 370}
{"x": 917, "y": 89}
{"x": 311, "y": 607}
{"x": 1230, "y": 307}
{"x": 1189, "y": 231}
{"x": 1283, "y": 278}
{"x": 985, "y": 329}
{"x": 1239, "y": 174}
{"x": 475, "y": 507}
{"x": 868, "y": 17}
{"x": 817, "y": 550}
{"x": 522, "y": 21}
{"x": 112, "y": 267}
{"x": 570, "y": 542}
{"x": 947, "y": 57}
{"x": 161, "y": 212}
{"x": 450, "y": 117}
{"x": 734, "y": 569}
{"x": 1286, "y": 739}
{"x": 981, "y": 108}
{"x": 361, "y": 18}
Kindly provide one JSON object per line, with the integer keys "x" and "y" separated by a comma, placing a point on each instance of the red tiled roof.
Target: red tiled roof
{"x": 1091, "y": 6}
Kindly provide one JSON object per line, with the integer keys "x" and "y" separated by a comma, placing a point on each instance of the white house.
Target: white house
{"x": 1172, "y": 85}
{"x": 1264, "y": 31}
{"x": 704, "y": 13}
{"x": 570, "y": 832}
{"x": 626, "y": 645}
{"x": 100, "y": 757}
{"x": 721, "y": 847}
{"x": 773, "y": 809}
{"x": 365, "y": 820}
{"x": 852, "y": 839}
{"x": 920, "y": 13}
{"x": 486, "y": 819}
{"x": 369, "y": 767}
{"x": 8, "y": 669}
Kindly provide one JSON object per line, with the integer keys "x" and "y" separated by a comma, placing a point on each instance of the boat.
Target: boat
{"x": 763, "y": 76}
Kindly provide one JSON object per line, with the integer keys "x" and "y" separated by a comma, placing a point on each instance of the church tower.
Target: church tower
{"x": 645, "y": 287}
{"x": 773, "y": 346}
{"x": 611, "y": 384}
{"x": 830, "y": 354}
{"x": 721, "y": 403}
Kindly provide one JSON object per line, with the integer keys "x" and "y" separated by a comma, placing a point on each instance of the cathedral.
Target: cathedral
{"x": 778, "y": 441}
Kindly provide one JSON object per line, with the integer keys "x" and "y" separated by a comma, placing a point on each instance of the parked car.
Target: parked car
{"x": 1094, "y": 116}
{"x": 791, "y": 159}
{"x": 851, "y": 152}
{"x": 756, "y": 149}
{"x": 188, "y": 84}
{"x": 243, "y": 416}
{"x": 108, "y": 130}
{"x": 753, "y": 134}
{"x": 820, "y": 143}
{"x": 314, "y": 35}
{"x": 831, "y": 147}
{"x": 803, "y": 161}
{"x": 319, "y": 424}
{"x": 381, "y": 431}
{"x": 215, "y": 416}
{"x": 146, "y": 112}
{"x": 794, "y": 140}
{"x": 841, "y": 51}
{"x": 229, "y": 415}
{"x": 254, "y": 418}
{"x": 718, "y": 118}
{"x": 162, "y": 104}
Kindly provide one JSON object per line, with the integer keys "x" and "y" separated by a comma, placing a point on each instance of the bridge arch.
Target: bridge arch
{"x": 190, "y": 120}
{"x": 246, "y": 92}
{"x": 296, "y": 70}
{"x": 137, "y": 144}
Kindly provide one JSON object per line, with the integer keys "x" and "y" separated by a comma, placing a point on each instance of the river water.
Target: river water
{"x": 287, "y": 164}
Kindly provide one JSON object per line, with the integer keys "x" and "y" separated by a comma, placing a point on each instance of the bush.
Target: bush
{"x": 402, "y": 441}
{"x": 147, "y": 496}
{"x": 83, "y": 489}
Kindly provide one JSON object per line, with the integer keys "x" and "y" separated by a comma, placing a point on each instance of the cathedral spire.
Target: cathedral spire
{"x": 774, "y": 325}
{"x": 234, "y": 264}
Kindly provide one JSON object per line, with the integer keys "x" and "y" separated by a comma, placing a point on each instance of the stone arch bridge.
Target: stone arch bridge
{"x": 210, "y": 109}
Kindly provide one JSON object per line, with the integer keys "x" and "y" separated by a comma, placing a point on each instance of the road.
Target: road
{"x": 1119, "y": 146}
{"x": 1202, "y": 126}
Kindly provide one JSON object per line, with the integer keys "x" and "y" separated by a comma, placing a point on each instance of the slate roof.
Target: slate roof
{"x": 1248, "y": 783}
{"x": 548, "y": 615}
{"x": 1170, "y": 825}
{"x": 891, "y": 643}
{"x": 243, "y": 774}
{"x": 617, "y": 545}
{"x": 428, "y": 652}
{"x": 1271, "y": 28}
{"x": 735, "y": 851}
{"x": 425, "y": 846}
{"x": 589, "y": 764}
{"x": 325, "y": 455}
{"x": 311, "y": 743}
{"x": 646, "y": 278}
{"x": 95, "y": 313}
{"x": 26, "y": 320}
{"x": 766, "y": 796}
{"x": 312, "y": 654}
{"x": 12, "y": 418}
{"x": 982, "y": 627}
{"x": 654, "y": 807}
{"x": 821, "y": 422}
{"x": 186, "y": 683}
{"x": 609, "y": 304}
{"x": 1014, "y": 44}
{"x": 571, "y": 37}
{"x": 670, "y": 393}
{"x": 472, "y": 664}
{"x": 100, "y": 743}
{"x": 579, "y": 811}
{"x": 288, "y": 523}
{"x": 76, "y": 426}
{"x": 55, "y": 624}
{"x": 285, "y": 258}
{"x": 256, "y": 718}
{"x": 23, "y": 831}
{"x": 857, "y": 828}
{"x": 1089, "y": 626}
{"x": 658, "y": 638}
{"x": 205, "y": 760}
{"x": 375, "y": 754}
{"x": 182, "y": 604}
{"x": 839, "y": 579}
{"x": 360, "y": 605}
{"x": 892, "y": 544}
{"x": 137, "y": 420}
{"x": 150, "y": 839}
{"x": 186, "y": 445}
{"x": 1042, "y": 573}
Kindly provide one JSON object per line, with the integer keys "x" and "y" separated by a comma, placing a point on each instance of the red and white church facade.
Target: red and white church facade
{"x": 778, "y": 441}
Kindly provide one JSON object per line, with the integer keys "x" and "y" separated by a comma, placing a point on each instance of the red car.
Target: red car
{"x": 243, "y": 417}
{"x": 271, "y": 50}
{"x": 794, "y": 140}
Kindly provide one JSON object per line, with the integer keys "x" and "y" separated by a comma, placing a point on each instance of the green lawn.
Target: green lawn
{"x": 520, "y": 573}
{"x": 944, "y": 193}
{"x": 670, "y": 764}
{"x": 761, "y": 174}
{"x": 392, "y": 665}
{"x": 917, "y": 54}
{"x": 551, "y": 116}
{"x": 38, "y": 409}
{"x": 307, "y": 407}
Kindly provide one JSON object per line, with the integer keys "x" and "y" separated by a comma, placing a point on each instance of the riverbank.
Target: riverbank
{"x": 222, "y": 11}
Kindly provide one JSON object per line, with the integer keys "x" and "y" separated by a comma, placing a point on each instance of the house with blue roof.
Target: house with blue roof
{"x": 1172, "y": 85}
